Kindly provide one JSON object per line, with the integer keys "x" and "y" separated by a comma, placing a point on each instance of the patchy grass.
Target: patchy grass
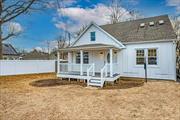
{"x": 19, "y": 99}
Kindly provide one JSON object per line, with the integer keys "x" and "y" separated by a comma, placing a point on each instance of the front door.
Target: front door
{"x": 99, "y": 60}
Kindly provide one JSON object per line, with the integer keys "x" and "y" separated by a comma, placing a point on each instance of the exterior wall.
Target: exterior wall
{"x": 17, "y": 67}
{"x": 165, "y": 68}
{"x": 99, "y": 58}
{"x": 101, "y": 38}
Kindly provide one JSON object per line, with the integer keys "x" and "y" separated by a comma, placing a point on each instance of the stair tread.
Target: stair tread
{"x": 94, "y": 84}
{"x": 95, "y": 80}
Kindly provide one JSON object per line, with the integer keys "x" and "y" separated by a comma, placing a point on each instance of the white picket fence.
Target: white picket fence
{"x": 17, "y": 67}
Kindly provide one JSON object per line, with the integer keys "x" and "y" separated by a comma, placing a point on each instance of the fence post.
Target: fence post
{"x": 58, "y": 65}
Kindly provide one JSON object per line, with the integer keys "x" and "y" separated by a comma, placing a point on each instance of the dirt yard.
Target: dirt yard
{"x": 29, "y": 98}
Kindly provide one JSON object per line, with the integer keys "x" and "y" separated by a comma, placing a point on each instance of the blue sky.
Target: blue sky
{"x": 47, "y": 25}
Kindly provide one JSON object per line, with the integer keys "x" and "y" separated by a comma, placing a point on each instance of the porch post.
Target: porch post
{"x": 69, "y": 61}
{"x": 111, "y": 62}
{"x": 81, "y": 62}
{"x": 58, "y": 62}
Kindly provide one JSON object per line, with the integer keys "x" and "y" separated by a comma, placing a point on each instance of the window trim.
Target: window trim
{"x": 76, "y": 55}
{"x": 85, "y": 57}
{"x": 91, "y": 36}
{"x": 142, "y": 57}
{"x": 146, "y": 55}
{"x": 151, "y": 56}
{"x": 79, "y": 57}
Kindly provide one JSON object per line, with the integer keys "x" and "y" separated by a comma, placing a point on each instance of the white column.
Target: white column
{"x": 58, "y": 62}
{"x": 70, "y": 57}
{"x": 81, "y": 62}
{"x": 69, "y": 61}
{"x": 111, "y": 62}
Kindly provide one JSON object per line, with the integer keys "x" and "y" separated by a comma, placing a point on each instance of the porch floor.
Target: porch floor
{"x": 76, "y": 75}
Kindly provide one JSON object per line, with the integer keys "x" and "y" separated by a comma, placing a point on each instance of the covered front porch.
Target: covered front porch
{"x": 93, "y": 62}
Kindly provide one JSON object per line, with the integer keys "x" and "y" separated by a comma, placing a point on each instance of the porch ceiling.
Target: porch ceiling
{"x": 90, "y": 47}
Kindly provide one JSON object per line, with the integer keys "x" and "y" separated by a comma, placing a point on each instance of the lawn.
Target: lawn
{"x": 29, "y": 98}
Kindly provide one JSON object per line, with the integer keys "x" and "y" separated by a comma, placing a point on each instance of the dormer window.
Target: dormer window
{"x": 151, "y": 23}
{"x": 142, "y": 25}
{"x": 161, "y": 22}
{"x": 93, "y": 36}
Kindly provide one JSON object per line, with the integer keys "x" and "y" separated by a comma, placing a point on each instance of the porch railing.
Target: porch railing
{"x": 90, "y": 73}
{"x": 71, "y": 68}
{"x": 116, "y": 68}
{"x": 104, "y": 74}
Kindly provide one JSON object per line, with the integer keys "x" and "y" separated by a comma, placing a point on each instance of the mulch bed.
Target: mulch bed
{"x": 55, "y": 82}
{"x": 121, "y": 84}
{"x": 124, "y": 84}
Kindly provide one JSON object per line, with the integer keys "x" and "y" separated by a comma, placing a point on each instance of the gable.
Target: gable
{"x": 101, "y": 37}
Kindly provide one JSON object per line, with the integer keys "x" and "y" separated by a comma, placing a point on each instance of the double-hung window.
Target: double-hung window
{"x": 85, "y": 58}
{"x": 93, "y": 36}
{"x": 152, "y": 56}
{"x": 78, "y": 58}
{"x": 140, "y": 56}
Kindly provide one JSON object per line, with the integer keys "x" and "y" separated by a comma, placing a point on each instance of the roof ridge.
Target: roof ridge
{"x": 135, "y": 20}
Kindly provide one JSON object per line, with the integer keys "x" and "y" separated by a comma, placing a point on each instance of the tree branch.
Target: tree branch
{"x": 15, "y": 13}
{"x": 8, "y": 36}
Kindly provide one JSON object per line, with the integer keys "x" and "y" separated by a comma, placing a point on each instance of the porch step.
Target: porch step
{"x": 95, "y": 82}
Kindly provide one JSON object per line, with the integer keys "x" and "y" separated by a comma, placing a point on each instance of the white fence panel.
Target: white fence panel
{"x": 16, "y": 67}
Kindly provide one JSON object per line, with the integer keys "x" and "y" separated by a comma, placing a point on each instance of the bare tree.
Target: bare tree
{"x": 61, "y": 43}
{"x": 117, "y": 12}
{"x": 176, "y": 25}
{"x": 81, "y": 30}
{"x": 11, "y": 9}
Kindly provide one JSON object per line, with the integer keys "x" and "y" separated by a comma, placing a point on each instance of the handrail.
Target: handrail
{"x": 91, "y": 68}
{"x": 104, "y": 69}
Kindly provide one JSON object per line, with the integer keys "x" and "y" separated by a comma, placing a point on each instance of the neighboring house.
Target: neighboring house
{"x": 9, "y": 52}
{"x": 35, "y": 55}
{"x": 63, "y": 55}
{"x": 105, "y": 53}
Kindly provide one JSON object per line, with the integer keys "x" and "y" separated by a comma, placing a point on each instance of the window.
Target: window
{"x": 108, "y": 58}
{"x": 93, "y": 36}
{"x": 152, "y": 56}
{"x": 140, "y": 57}
{"x": 78, "y": 58}
{"x": 85, "y": 58}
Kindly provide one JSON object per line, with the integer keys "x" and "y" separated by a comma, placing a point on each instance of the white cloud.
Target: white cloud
{"x": 174, "y": 3}
{"x": 59, "y": 3}
{"x": 82, "y": 16}
{"x": 15, "y": 27}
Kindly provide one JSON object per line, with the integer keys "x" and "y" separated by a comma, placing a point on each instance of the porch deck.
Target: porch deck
{"x": 76, "y": 75}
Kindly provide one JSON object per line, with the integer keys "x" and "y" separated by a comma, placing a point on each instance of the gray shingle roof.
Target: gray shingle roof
{"x": 131, "y": 31}
{"x": 8, "y": 49}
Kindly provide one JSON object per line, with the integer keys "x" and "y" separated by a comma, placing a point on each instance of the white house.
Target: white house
{"x": 105, "y": 53}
